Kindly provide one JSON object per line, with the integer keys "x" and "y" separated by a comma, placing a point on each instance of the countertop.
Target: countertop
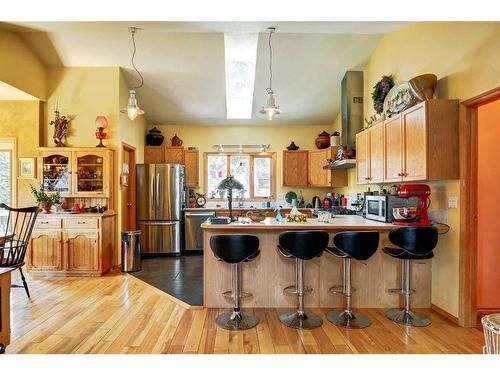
{"x": 340, "y": 222}
{"x": 187, "y": 209}
{"x": 85, "y": 214}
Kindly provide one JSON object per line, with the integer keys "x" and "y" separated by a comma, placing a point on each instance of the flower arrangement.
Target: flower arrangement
{"x": 380, "y": 91}
{"x": 45, "y": 201}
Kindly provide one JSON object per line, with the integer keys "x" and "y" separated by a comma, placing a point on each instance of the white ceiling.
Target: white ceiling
{"x": 183, "y": 63}
{"x": 8, "y": 92}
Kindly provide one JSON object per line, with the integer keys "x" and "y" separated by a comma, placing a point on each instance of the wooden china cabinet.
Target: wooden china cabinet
{"x": 75, "y": 244}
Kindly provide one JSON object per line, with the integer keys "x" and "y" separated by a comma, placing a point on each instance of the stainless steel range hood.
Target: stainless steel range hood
{"x": 352, "y": 115}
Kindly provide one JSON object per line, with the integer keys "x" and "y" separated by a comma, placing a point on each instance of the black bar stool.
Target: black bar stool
{"x": 351, "y": 245}
{"x": 301, "y": 245}
{"x": 235, "y": 249}
{"x": 414, "y": 243}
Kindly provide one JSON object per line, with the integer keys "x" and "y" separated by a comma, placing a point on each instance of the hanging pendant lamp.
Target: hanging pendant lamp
{"x": 133, "y": 110}
{"x": 271, "y": 109}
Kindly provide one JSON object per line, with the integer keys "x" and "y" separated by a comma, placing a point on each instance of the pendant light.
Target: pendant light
{"x": 270, "y": 109}
{"x": 133, "y": 109}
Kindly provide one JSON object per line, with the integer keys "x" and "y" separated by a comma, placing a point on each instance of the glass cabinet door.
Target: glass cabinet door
{"x": 56, "y": 173}
{"x": 90, "y": 173}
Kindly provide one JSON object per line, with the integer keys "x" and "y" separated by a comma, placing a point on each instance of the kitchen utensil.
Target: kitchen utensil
{"x": 423, "y": 86}
{"x": 290, "y": 196}
{"x": 316, "y": 202}
{"x": 404, "y": 213}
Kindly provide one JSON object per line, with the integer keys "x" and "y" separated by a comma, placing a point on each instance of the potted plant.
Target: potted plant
{"x": 44, "y": 200}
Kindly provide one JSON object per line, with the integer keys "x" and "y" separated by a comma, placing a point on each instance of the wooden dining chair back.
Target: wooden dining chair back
{"x": 16, "y": 225}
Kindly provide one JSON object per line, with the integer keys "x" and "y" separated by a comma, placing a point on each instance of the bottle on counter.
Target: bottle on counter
{"x": 327, "y": 202}
{"x": 343, "y": 201}
{"x": 279, "y": 218}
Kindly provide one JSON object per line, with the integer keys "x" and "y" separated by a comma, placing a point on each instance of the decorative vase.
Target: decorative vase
{"x": 323, "y": 140}
{"x": 176, "y": 141}
{"x": 154, "y": 137}
{"x": 45, "y": 206}
{"x": 292, "y": 147}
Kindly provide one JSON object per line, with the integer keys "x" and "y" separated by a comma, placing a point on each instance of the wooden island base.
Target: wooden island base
{"x": 270, "y": 272}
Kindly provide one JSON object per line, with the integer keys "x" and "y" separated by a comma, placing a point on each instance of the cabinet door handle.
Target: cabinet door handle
{"x": 44, "y": 222}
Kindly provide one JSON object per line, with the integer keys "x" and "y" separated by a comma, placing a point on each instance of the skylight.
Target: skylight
{"x": 240, "y": 57}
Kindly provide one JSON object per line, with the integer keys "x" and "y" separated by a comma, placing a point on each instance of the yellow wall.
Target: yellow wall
{"x": 465, "y": 58}
{"x": 86, "y": 93}
{"x": 24, "y": 121}
{"x": 20, "y": 67}
{"x": 278, "y": 136}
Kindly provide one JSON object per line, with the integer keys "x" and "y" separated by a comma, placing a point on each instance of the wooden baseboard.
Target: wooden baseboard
{"x": 444, "y": 314}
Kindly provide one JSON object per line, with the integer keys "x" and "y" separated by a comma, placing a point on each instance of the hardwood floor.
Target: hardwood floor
{"x": 120, "y": 314}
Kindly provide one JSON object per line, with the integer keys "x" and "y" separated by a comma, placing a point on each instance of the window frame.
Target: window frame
{"x": 252, "y": 155}
{"x": 11, "y": 143}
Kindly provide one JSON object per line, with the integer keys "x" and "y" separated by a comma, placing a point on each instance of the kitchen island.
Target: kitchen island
{"x": 270, "y": 272}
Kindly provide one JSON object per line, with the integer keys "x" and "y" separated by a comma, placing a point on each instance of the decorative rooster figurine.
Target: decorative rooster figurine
{"x": 61, "y": 126}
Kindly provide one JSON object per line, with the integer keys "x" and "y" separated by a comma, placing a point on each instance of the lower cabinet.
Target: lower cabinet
{"x": 82, "y": 247}
{"x": 83, "y": 250}
{"x": 45, "y": 252}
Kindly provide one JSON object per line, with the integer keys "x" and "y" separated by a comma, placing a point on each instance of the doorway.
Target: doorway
{"x": 127, "y": 183}
{"x": 476, "y": 134}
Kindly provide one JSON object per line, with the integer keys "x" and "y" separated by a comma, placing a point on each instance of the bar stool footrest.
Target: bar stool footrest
{"x": 229, "y": 294}
{"x": 339, "y": 289}
{"x": 292, "y": 290}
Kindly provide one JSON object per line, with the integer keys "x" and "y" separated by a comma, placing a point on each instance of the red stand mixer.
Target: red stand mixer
{"x": 412, "y": 216}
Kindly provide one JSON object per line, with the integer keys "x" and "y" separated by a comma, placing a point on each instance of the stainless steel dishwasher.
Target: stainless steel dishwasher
{"x": 193, "y": 234}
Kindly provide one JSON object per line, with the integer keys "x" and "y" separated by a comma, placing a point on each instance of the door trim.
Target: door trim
{"x": 467, "y": 303}
{"x": 132, "y": 180}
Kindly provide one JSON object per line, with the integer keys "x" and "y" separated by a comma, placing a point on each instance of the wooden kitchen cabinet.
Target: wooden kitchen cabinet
{"x": 76, "y": 171}
{"x": 319, "y": 177}
{"x": 45, "y": 252}
{"x": 82, "y": 250}
{"x": 81, "y": 245}
{"x": 419, "y": 144}
{"x": 295, "y": 168}
{"x": 376, "y": 158}
{"x": 154, "y": 154}
{"x": 363, "y": 157}
{"x": 192, "y": 171}
{"x": 393, "y": 160}
{"x": 164, "y": 154}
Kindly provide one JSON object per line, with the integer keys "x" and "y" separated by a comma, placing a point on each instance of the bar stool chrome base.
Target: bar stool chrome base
{"x": 237, "y": 320}
{"x": 348, "y": 320}
{"x": 408, "y": 318}
{"x": 294, "y": 319}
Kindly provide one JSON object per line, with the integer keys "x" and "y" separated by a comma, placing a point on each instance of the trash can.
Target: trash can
{"x": 131, "y": 251}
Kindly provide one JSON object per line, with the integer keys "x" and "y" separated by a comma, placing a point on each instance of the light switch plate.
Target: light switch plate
{"x": 452, "y": 202}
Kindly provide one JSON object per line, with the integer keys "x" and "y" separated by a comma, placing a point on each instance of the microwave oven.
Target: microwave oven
{"x": 379, "y": 207}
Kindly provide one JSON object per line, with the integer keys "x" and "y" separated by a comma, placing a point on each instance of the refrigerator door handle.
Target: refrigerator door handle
{"x": 152, "y": 192}
{"x": 158, "y": 194}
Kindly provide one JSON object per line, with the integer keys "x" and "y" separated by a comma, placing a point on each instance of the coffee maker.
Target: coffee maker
{"x": 412, "y": 216}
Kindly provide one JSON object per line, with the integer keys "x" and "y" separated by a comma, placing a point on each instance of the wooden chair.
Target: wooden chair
{"x": 15, "y": 234}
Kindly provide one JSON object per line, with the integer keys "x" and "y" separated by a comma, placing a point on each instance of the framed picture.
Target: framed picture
{"x": 27, "y": 168}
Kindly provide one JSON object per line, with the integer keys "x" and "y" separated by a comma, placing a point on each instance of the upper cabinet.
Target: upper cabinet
{"x": 419, "y": 144}
{"x": 163, "y": 154}
{"x": 72, "y": 172}
{"x": 295, "y": 168}
{"x": 319, "y": 177}
{"x": 191, "y": 163}
{"x": 304, "y": 168}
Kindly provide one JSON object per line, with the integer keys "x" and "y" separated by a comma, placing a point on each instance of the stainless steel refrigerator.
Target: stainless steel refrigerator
{"x": 160, "y": 195}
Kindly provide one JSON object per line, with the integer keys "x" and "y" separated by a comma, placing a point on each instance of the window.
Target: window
{"x": 253, "y": 170}
{"x": 7, "y": 157}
